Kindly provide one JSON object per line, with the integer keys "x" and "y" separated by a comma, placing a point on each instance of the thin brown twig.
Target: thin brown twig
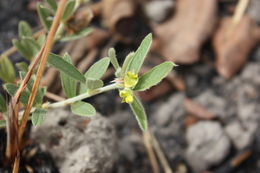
{"x": 54, "y": 96}
{"x": 239, "y": 12}
{"x": 160, "y": 154}
{"x": 46, "y": 50}
{"x": 149, "y": 147}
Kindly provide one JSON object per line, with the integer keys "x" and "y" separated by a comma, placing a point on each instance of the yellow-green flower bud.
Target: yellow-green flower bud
{"x": 126, "y": 95}
{"x": 130, "y": 80}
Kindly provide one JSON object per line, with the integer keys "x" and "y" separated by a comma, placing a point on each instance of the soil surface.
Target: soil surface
{"x": 235, "y": 104}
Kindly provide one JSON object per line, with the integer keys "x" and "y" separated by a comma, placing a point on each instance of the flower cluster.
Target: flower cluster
{"x": 130, "y": 80}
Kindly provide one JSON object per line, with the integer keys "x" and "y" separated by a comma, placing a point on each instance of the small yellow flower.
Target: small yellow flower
{"x": 130, "y": 79}
{"x": 127, "y": 95}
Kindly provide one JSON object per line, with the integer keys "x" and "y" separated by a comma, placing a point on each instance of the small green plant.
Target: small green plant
{"x": 26, "y": 93}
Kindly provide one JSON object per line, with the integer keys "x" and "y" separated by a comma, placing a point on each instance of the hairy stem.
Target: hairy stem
{"x": 80, "y": 97}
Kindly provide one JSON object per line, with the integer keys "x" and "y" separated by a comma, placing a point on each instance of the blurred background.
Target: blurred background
{"x": 204, "y": 117}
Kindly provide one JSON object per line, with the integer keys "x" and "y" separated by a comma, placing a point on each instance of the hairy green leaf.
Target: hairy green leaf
{"x": 41, "y": 40}
{"x": 23, "y": 49}
{"x": 65, "y": 67}
{"x": 83, "y": 109}
{"x": 68, "y": 83}
{"x": 2, "y": 123}
{"x": 126, "y": 63}
{"x": 22, "y": 66}
{"x": 12, "y": 88}
{"x": 154, "y": 76}
{"x": 69, "y": 9}
{"x": 113, "y": 59}
{"x": 38, "y": 116}
{"x": 52, "y": 4}
{"x": 24, "y": 29}
{"x": 94, "y": 83}
{"x": 140, "y": 54}
{"x": 3, "y": 107}
{"x": 80, "y": 34}
{"x": 96, "y": 71}
{"x": 140, "y": 114}
{"x": 7, "y": 72}
{"x": 45, "y": 15}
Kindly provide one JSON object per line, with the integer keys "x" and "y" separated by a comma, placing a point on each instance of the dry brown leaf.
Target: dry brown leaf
{"x": 115, "y": 11}
{"x": 232, "y": 47}
{"x": 180, "y": 39}
{"x": 197, "y": 110}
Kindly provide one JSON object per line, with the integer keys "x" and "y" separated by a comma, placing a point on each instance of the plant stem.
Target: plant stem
{"x": 48, "y": 46}
{"x": 80, "y": 97}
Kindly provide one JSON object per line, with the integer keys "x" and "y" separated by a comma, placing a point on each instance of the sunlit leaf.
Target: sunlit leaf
{"x": 38, "y": 116}
{"x": 22, "y": 66}
{"x": 45, "y": 15}
{"x": 154, "y": 76}
{"x": 52, "y": 4}
{"x": 69, "y": 9}
{"x": 68, "y": 83}
{"x": 65, "y": 67}
{"x": 140, "y": 114}
{"x": 140, "y": 54}
{"x": 7, "y": 72}
{"x": 96, "y": 71}
{"x": 83, "y": 109}
{"x": 24, "y": 29}
{"x": 94, "y": 83}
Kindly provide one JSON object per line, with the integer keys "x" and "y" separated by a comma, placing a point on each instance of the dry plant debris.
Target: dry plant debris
{"x": 180, "y": 39}
{"x": 233, "y": 48}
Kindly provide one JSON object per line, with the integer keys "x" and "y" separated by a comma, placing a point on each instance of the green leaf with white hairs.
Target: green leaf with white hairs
{"x": 2, "y": 123}
{"x": 41, "y": 40}
{"x": 7, "y": 72}
{"x": 113, "y": 59}
{"x": 22, "y": 66}
{"x": 94, "y": 83}
{"x": 80, "y": 34}
{"x": 40, "y": 91}
{"x": 45, "y": 15}
{"x": 38, "y": 116}
{"x": 96, "y": 71}
{"x": 65, "y": 67}
{"x": 140, "y": 54}
{"x": 69, "y": 9}
{"x": 27, "y": 47}
{"x": 140, "y": 114}
{"x": 154, "y": 76}
{"x": 3, "y": 106}
{"x": 23, "y": 49}
{"x": 69, "y": 84}
{"x": 126, "y": 63}
{"x": 24, "y": 29}
{"x": 52, "y": 4}
{"x": 83, "y": 109}
{"x": 12, "y": 88}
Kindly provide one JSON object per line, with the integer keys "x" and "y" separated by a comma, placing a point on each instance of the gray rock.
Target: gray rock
{"x": 214, "y": 104}
{"x": 78, "y": 144}
{"x": 170, "y": 111}
{"x": 208, "y": 145}
{"x": 254, "y": 10}
{"x": 158, "y": 10}
{"x": 240, "y": 136}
